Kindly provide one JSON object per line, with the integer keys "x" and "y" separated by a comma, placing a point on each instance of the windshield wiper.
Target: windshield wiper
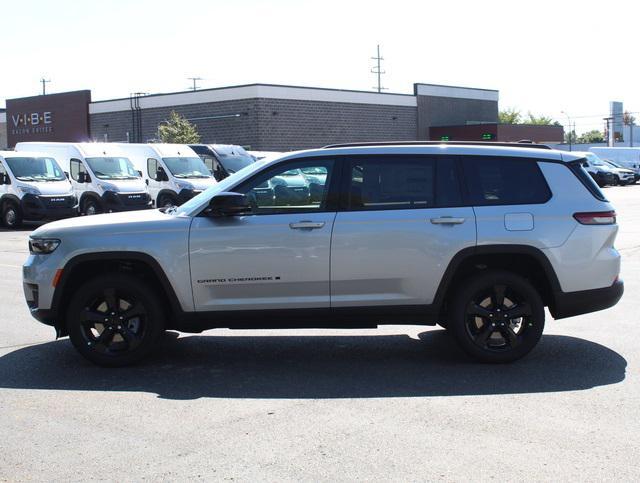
{"x": 25, "y": 178}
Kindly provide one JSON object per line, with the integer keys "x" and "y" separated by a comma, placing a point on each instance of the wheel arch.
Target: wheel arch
{"x": 83, "y": 267}
{"x": 524, "y": 260}
{"x": 92, "y": 195}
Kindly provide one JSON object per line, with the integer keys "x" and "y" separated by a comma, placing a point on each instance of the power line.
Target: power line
{"x": 195, "y": 80}
{"x": 378, "y": 70}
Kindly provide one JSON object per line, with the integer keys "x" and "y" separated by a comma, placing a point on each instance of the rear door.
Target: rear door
{"x": 404, "y": 219}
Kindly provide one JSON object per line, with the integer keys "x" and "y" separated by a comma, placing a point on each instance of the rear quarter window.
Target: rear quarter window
{"x": 577, "y": 168}
{"x": 505, "y": 181}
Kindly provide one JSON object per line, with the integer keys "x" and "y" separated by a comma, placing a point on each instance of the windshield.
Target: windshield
{"x": 35, "y": 169}
{"x": 112, "y": 168}
{"x": 187, "y": 167}
{"x": 611, "y": 163}
{"x": 233, "y": 158}
{"x": 595, "y": 160}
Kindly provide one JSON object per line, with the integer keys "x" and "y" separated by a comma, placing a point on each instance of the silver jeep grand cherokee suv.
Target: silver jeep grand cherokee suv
{"x": 477, "y": 238}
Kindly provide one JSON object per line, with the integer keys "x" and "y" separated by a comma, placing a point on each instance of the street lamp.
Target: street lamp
{"x": 570, "y": 132}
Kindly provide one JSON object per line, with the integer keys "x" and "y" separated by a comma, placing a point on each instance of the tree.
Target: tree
{"x": 570, "y": 137}
{"x": 510, "y": 115}
{"x": 591, "y": 137}
{"x": 540, "y": 120}
{"x": 628, "y": 118}
{"x": 178, "y": 130}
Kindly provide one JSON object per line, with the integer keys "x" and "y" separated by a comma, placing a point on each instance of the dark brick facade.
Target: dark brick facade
{"x": 272, "y": 124}
{"x": 450, "y": 111}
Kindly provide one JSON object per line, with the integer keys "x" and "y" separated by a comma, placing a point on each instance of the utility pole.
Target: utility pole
{"x": 44, "y": 83}
{"x": 570, "y": 131}
{"x": 378, "y": 70}
{"x": 194, "y": 79}
{"x": 611, "y": 140}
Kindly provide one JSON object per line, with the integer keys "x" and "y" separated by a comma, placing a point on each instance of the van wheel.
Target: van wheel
{"x": 11, "y": 215}
{"x": 91, "y": 207}
{"x": 497, "y": 316}
{"x": 165, "y": 201}
{"x": 114, "y": 320}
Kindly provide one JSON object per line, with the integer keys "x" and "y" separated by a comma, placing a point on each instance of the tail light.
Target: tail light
{"x": 596, "y": 218}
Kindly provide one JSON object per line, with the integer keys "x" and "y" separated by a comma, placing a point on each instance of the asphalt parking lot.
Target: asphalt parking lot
{"x": 397, "y": 403}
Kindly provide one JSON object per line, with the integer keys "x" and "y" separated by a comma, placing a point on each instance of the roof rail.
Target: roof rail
{"x": 519, "y": 144}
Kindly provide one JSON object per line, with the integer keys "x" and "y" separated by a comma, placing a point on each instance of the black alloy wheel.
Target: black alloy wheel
{"x": 498, "y": 317}
{"x": 114, "y": 320}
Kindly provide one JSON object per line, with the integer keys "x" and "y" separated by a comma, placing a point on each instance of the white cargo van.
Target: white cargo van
{"x": 174, "y": 173}
{"x": 103, "y": 179}
{"x": 627, "y": 157}
{"x": 33, "y": 187}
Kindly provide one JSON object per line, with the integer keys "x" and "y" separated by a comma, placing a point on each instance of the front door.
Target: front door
{"x": 403, "y": 222}
{"x": 152, "y": 184}
{"x": 275, "y": 258}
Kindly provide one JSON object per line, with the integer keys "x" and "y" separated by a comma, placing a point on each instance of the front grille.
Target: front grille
{"x": 134, "y": 199}
{"x": 58, "y": 201}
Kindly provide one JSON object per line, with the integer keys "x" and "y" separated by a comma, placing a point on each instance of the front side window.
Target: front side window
{"x": 184, "y": 167}
{"x": 35, "y": 169}
{"x": 152, "y": 168}
{"x": 505, "y": 181}
{"x": 286, "y": 189}
{"x": 76, "y": 168}
{"x": 112, "y": 168}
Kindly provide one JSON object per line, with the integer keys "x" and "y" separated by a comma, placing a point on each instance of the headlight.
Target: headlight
{"x": 43, "y": 246}
{"x": 184, "y": 186}
{"x": 29, "y": 190}
{"x": 108, "y": 187}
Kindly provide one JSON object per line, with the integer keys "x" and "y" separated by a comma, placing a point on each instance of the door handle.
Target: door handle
{"x": 447, "y": 220}
{"x": 306, "y": 225}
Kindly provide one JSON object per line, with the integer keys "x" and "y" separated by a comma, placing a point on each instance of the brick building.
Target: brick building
{"x": 273, "y": 117}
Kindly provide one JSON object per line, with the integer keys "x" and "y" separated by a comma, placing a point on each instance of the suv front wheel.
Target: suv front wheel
{"x": 497, "y": 316}
{"x": 115, "y": 320}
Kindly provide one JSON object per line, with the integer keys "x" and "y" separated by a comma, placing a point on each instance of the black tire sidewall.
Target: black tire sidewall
{"x": 475, "y": 285}
{"x": 5, "y": 210}
{"x": 128, "y": 284}
{"x": 90, "y": 201}
{"x": 163, "y": 199}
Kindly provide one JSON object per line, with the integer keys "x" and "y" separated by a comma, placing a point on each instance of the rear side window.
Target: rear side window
{"x": 505, "y": 181}
{"x": 577, "y": 168}
{"x": 402, "y": 183}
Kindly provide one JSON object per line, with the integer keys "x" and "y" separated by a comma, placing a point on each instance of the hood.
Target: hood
{"x": 110, "y": 223}
{"x": 200, "y": 184}
{"x": 49, "y": 187}
{"x": 126, "y": 185}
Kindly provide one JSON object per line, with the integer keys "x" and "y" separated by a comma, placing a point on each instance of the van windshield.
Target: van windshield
{"x": 112, "y": 168}
{"x": 35, "y": 169}
{"x": 187, "y": 167}
{"x": 233, "y": 158}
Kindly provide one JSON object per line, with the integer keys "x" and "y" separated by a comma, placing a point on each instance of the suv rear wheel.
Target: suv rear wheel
{"x": 115, "y": 320}
{"x": 497, "y": 316}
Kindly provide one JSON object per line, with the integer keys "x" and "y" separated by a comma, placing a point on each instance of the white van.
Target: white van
{"x": 627, "y": 157}
{"x": 103, "y": 179}
{"x": 174, "y": 173}
{"x": 33, "y": 187}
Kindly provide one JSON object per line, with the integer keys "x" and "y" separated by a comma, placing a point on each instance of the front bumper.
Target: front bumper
{"x": 125, "y": 201}
{"x": 44, "y": 207}
{"x": 569, "y": 304}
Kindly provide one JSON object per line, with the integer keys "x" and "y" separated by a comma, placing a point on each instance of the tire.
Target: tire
{"x": 11, "y": 215}
{"x": 165, "y": 201}
{"x": 115, "y": 320}
{"x": 90, "y": 207}
{"x": 486, "y": 327}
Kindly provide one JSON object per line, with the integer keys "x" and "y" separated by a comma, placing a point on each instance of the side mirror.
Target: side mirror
{"x": 229, "y": 204}
{"x": 4, "y": 179}
{"x": 140, "y": 173}
{"x": 585, "y": 165}
{"x": 83, "y": 177}
{"x": 161, "y": 175}
{"x": 66, "y": 173}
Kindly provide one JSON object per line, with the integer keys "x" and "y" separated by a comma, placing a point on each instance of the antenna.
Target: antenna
{"x": 44, "y": 83}
{"x": 195, "y": 80}
{"x": 378, "y": 70}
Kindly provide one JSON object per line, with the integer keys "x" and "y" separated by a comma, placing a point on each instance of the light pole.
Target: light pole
{"x": 570, "y": 132}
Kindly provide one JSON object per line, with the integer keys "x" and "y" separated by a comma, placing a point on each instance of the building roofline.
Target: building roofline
{"x": 48, "y": 95}
{"x": 415, "y": 86}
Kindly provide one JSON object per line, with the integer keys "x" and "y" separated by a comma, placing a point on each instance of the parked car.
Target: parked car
{"x": 172, "y": 172}
{"x": 627, "y": 157}
{"x": 598, "y": 169}
{"x": 623, "y": 176}
{"x": 477, "y": 238}
{"x": 33, "y": 187}
{"x": 223, "y": 159}
{"x": 102, "y": 177}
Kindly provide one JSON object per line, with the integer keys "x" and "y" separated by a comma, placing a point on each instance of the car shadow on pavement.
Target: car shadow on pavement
{"x": 297, "y": 367}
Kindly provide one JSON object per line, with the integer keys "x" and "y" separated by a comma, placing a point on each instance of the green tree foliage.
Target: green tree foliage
{"x": 591, "y": 137}
{"x": 540, "y": 120}
{"x": 570, "y": 137}
{"x": 178, "y": 130}
{"x": 511, "y": 115}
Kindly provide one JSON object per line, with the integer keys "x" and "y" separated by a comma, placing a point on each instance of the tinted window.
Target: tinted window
{"x": 505, "y": 181}
{"x": 286, "y": 189}
{"x": 586, "y": 179}
{"x": 400, "y": 183}
{"x": 2, "y": 170}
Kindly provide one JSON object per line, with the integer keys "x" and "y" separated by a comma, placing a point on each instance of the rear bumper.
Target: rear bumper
{"x": 569, "y": 304}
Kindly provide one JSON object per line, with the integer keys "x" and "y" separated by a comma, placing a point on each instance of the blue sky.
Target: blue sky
{"x": 543, "y": 56}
